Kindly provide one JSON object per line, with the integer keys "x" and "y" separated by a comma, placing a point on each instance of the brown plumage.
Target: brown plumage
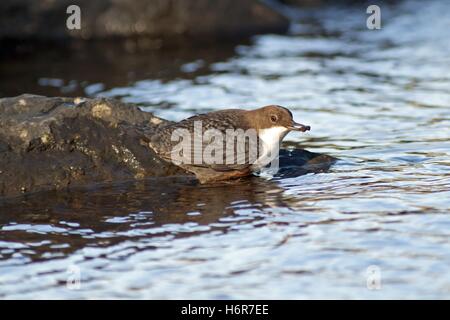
{"x": 259, "y": 120}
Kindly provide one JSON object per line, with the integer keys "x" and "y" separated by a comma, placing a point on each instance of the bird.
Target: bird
{"x": 225, "y": 144}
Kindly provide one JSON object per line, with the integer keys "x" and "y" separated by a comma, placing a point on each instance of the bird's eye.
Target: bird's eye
{"x": 273, "y": 118}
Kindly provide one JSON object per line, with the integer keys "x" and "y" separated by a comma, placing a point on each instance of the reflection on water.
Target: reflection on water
{"x": 84, "y": 69}
{"x": 377, "y": 100}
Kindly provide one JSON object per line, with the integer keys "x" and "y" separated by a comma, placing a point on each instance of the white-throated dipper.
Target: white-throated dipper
{"x": 225, "y": 144}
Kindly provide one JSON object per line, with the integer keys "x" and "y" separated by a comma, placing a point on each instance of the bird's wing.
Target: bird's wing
{"x": 168, "y": 143}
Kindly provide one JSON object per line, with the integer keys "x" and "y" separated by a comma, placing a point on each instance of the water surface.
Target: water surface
{"x": 377, "y": 100}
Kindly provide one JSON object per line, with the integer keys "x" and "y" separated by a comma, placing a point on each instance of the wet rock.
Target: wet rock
{"x": 46, "y": 20}
{"x": 54, "y": 143}
{"x": 298, "y": 162}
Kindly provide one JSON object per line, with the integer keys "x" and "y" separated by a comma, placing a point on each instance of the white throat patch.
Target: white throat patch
{"x": 271, "y": 141}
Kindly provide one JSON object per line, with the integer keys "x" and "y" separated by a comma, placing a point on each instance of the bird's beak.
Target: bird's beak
{"x": 299, "y": 127}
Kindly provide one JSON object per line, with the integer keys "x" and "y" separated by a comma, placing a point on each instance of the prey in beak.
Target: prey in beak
{"x": 299, "y": 127}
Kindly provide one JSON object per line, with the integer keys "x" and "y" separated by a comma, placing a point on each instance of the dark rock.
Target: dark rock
{"x": 298, "y": 162}
{"x": 46, "y": 20}
{"x": 303, "y": 3}
{"x": 318, "y": 3}
{"x": 54, "y": 143}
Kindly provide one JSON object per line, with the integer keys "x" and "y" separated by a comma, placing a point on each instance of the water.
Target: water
{"x": 377, "y": 100}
